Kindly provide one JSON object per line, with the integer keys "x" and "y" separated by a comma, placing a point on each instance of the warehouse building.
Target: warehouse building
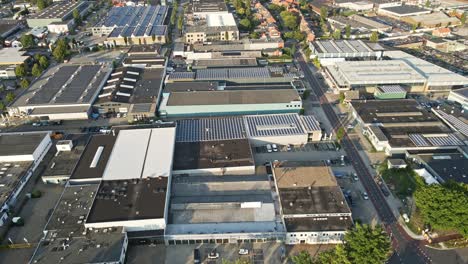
{"x": 460, "y": 96}
{"x": 384, "y": 92}
{"x": 133, "y": 25}
{"x": 313, "y": 208}
{"x": 63, "y": 92}
{"x": 20, "y": 155}
{"x": 202, "y": 8}
{"x": 212, "y": 27}
{"x": 453, "y": 116}
{"x": 222, "y": 103}
{"x": 131, "y": 91}
{"x": 444, "y": 165}
{"x": 222, "y": 209}
{"x": 330, "y": 52}
{"x": 65, "y": 234}
{"x": 58, "y": 17}
{"x": 403, "y": 11}
{"x": 433, "y": 20}
{"x": 9, "y": 59}
{"x": 395, "y": 126}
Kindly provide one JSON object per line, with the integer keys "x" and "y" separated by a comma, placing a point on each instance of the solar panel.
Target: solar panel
{"x": 210, "y": 129}
{"x": 419, "y": 140}
{"x": 274, "y": 125}
{"x": 310, "y": 123}
{"x": 455, "y": 122}
{"x": 53, "y": 85}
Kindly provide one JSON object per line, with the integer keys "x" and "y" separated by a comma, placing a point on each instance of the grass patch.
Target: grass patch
{"x": 416, "y": 223}
{"x": 401, "y": 181}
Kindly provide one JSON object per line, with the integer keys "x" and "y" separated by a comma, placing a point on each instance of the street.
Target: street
{"x": 406, "y": 249}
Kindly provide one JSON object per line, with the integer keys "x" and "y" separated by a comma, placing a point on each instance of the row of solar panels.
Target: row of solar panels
{"x": 134, "y": 16}
{"x": 141, "y": 31}
{"x": 226, "y": 128}
{"x": 229, "y": 73}
{"x": 427, "y": 141}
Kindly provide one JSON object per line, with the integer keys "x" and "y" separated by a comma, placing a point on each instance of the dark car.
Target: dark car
{"x": 196, "y": 256}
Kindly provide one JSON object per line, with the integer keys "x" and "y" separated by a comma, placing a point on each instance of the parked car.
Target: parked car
{"x": 196, "y": 256}
{"x": 268, "y": 146}
{"x": 213, "y": 255}
{"x": 365, "y": 196}
{"x": 289, "y": 147}
{"x": 275, "y": 148}
{"x": 355, "y": 177}
{"x": 243, "y": 251}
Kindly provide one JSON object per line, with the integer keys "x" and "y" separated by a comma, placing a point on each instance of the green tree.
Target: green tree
{"x": 41, "y": 4}
{"x": 24, "y": 83}
{"x": 348, "y": 31}
{"x": 428, "y": 3}
{"x": 61, "y": 50}
{"x": 2, "y": 106}
{"x": 323, "y": 13}
{"x": 337, "y": 34}
{"x": 77, "y": 17}
{"x": 444, "y": 206}
{"x": 254, "y": 35}
{"x": 342, "y": 97}
{"x": 340, "y": 133}
{"x": 36, "y": 70}
{"x": 125, "y": 39}
{"x": 153, "y": 37}
{"x": 174, "y": 13}
{"x": 374, "y": 37}
{"x": 302, "y": 258}
{"x": 27, "y": 40}
{"x": 245, "y": 23}
{"x": 414, "y": 27}
{"x": 463, "y": 18}
{"x": 10, "y": 97}
{"x": 290, "y": 19}
{"x": 180, "y": 23}
{"x": 44, "y": 62}
{"x": 316, "y": 62}
{"x": 20, "y": 70}
{"x": 375, "y": 249}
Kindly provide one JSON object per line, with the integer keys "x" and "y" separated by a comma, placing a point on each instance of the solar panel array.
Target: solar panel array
{"x": 310, "y": 123}
{"x": 232, "y": 73}
{"x": 392, "y": 89}
{"x": 209, "y": 129}
{"x": 274, "y": 125}
{"x": 457, "y": 123}
{"x": 449, "y": 140}
{"x": 182, "y": 75}
{"x": 84, "y": 80}
{"x": 53, "y": 84}
{"x": 419, "y": 140}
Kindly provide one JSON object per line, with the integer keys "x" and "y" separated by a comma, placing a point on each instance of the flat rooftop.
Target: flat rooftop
{"x": 71, "y": 211}
{"x": 13, "y": 144}
{"x": 406, "y": 10}
{"x": 341, "y": 46}
{"x": 392, "y": 111}
{"x": 12, "y": 56}
{"x": 94, "y": 159}
{"x": 448, "y": 165}
{"x": 11, "y": 176}
{"x": 274, "y": 125}
{"x": 190, "y": 86}
{"x": 65, "y": 84}
{"x": 304, "y": 176}
{"x": 64, "y": 163}
{"x": 149, "y": 60}
{"x": 208, "y": 6}
{"x": 233, "y": 97}
{"x": 311, "y": 224}
{"x": 59, "y": 10}
{"x": 212, "y": 154}
{"x": 97, "y": 246}
{"x": 421, "y": 136}
{"x": 234, "y": 74}
{"x": 210, "y": 129}
{"x": 132, "y": 85}
{"x": 126, "y": 200}
{"x": 375, "y": 72}
{"x": 141, "y": 153}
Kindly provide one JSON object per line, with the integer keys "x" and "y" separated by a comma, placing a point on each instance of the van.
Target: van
{"x": 269, "y": 148}
{"x": 196, "y": 256}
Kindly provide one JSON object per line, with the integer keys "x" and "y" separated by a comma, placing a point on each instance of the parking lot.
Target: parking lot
{"x": 320, "y": 146}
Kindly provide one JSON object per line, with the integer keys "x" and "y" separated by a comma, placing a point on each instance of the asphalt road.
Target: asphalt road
{"x": 406, "y": 250}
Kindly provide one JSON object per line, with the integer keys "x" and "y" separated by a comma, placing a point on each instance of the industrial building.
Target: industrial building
{"x": 212, "y": 27}
{"x": 453, "y": 116}
{"x": 313, "y": 208}
{"x": 395, "y": 126}
{"x": 432, "y": 20}
{"x": 201, "y": 8}
{"x": 66, "y": 91}
{"x": 133, "y": 25}
{"x": 222, "y": 209}
{"x": 66, "y": 239}
{"x": 330, "y": 52}
{"x": 131, "y": 91}
{"x": 444, "y": 165}
{"x": 222, "y": 103}
{"x": 281, "y": 129}
{"x": 20, "y": 155}
{"x": 65, "y": 159}
{"x": 58, "y": 17}
{"x": 384, "y": 92}
{"x": 9, "y": 59}
{"x": 460, "y": 96}
{"x": 403, "y": 11}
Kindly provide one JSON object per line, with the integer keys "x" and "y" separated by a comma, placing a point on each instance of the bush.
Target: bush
{"x": 36, "y": 194}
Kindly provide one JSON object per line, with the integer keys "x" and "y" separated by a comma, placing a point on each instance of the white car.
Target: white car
{"x": 268, "y": 146}
{"x": 365, "y": 196}
{"x": 289, "y": 148}
{"x": 275, "y": 148}
{"x": 213, "y": 255}
{"x": 355, "y": 177}
{"x": 243, "y": 251}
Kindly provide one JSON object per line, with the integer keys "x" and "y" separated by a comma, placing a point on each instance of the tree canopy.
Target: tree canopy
{"x": 245, "y": 23}
{"x": 20, "y": 70}
{"x": 24, "y": 83}
{"x": 77, "y": 16}
{"x": 444, "y": 206}
{"x": 27, "y": 40}
{"x": 290, "y": 19}
{"x": 374, "y": 37}
{"x": 36, "y": 70}
{"x": 10, "y": 97}
{"x": 61, "y": 50}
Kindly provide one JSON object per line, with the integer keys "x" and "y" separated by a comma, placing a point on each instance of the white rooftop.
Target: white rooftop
{"x": 435, "y": 75}
{"x": 141, "y": 153}
{"x": 12, "y": 56}
{"x": 218, "y": 20}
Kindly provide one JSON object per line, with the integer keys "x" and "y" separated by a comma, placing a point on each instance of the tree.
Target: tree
{"x": 444, "y": 206}
{"x": 77, "y": 16}
{"x": 340, "y": 133}
{"x": 36, "y": 70}
{"x": 20, "y": 70}
{"x": 428, "y": 3}
{"x": 41, "y": 4}
{"x": 323, "y": 13}
{"x": 342, "y": 97}
{"x": 316, "y": 62}
{"x": 24, "y": 83}
{"x": 10, "y": 97}
{"x": 374, "y": 37}
{"x": 337, "y": 34}
{"x": 174, "y": 13}
{"x": 245, "y": 23}
{"x": 302, "y": 258}
{"x": 125, "y": 39}
{"x": 2, "y": 106}
{"x": 254, "y": 35}
{"x": 43, "y": 62}
{"x": 153, "y": 37}
{"x": 27, "y": 40}
{"x": 414, "y": 27}
{"x": 463, "y": 18}
{"x": 180, "y": 23}
{"x": 348, "y": 31}
{"x": 61, "y": 50}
